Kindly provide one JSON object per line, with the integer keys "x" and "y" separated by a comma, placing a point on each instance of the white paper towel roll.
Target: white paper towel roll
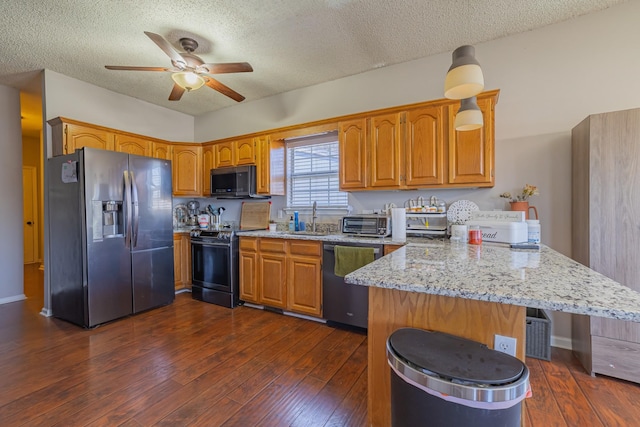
{"x": 398, "y": 224}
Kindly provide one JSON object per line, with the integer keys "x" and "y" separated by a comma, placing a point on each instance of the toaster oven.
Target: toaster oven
{"x": 367, "y": 225}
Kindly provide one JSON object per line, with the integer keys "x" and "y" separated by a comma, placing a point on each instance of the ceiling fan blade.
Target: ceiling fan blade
{"x": 125, "y": 67}
{"x": 229, "y": 67}
{"x": 166, "y": 47}
{"x": 176, "y": 93}
{"x": 225, "y": 90}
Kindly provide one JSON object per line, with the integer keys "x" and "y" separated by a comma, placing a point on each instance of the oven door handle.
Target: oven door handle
{"x": 216, "y": 245}
{"x": 376, "y": 251}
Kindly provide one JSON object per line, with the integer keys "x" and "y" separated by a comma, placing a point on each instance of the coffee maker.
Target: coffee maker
{"x": 193, "y": 207}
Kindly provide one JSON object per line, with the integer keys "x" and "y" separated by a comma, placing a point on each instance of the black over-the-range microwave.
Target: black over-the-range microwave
{"x": 238, "y": 182}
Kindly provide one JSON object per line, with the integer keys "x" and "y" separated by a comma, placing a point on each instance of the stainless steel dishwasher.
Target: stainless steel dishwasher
{"x": 342, "y": 302}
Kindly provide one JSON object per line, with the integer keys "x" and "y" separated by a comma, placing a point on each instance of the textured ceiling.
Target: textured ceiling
{"x": 290, "y": 43}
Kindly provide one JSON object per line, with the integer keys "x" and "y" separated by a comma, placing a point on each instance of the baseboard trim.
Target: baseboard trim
{"x": 46, "y": 312}
{"x": 561, "y": 342}
{"x": 304, "y": 316}
{"x": 14, "y": 298}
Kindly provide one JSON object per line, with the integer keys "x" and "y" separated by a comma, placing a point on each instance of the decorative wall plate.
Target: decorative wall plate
{"x": 460, "y": 211}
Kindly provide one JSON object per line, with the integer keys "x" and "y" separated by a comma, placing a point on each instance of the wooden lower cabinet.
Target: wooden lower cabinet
{"x": 182, "y": 260}
{"x": 304, "y": 281}
{"x": 248, "y": 269}
{"x": 282, "y": 273}
{"x": 272, "y": 272}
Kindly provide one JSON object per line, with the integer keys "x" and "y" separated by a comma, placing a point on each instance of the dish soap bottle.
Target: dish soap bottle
{"x": 292, "y": 224}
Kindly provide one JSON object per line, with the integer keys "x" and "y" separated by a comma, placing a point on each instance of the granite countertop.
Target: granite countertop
{"x": 492, "y": 272}
{"x": 335, "y": 237}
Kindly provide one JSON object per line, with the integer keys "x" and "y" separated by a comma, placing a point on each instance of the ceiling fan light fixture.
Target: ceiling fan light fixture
{"x": 188, "y": 80}
{"x": 464, "y": 78}
{"x": 469, "y": 116}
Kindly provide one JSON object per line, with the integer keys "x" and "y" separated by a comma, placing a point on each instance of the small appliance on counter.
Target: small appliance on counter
{"x": 426, "y": 223}
{"x": 372, "y": 225}
{"x": 193, "y": 207}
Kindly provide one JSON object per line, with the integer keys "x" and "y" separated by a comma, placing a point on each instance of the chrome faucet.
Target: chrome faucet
{"x": 314, "y": 216}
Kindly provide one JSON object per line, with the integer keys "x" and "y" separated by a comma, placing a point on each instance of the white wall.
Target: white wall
{"x": 550, "y": 79}
{"x": 78, "y": 100}
{"x": 11, "y": 244}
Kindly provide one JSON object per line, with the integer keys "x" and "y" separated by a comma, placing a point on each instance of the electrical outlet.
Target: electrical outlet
{"x": 505, "y": 344}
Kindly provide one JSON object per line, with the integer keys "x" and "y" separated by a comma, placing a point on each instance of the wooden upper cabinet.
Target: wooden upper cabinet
{"x": 471, "y": 153}
{"x": 424, "y": 147}
{"x": 187, "y": 169}
{"x": 352, "y": 142}
{"x": 133, "y": 145}
{"x": 162, "y": 150}
{"x": 235, "y": 153}
{"x": 69, "y": 137}
{"x": 245, "y": 152}
{"x": 270, "y": 169}
{"x": 208, "y": 163}
{"x": 386, "y": 150}
{"x": 225, "y": 154}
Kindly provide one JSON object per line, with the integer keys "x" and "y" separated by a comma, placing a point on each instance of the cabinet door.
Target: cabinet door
{"x": 352, "y": 142}
{"x": 471, "y": 156}
{"x": 424, "y": 147}
{"x": 161, "y": 150}
{"x": 187, "y": 170}
{"x": 304, "y": 277}
{"x": 177, "y": 261}
{"x": 245, "y": 152}
{"x": 132, "y": 145}
{"x": 186, "y": 261}
{"x": 263, "y": 165}
{"x": 385, "y": 146}
{"x": 248, "y": 276}
{"x": 208, "y": 163}
{"x": 77, "y": 136}
{"x": 272, "y": 279}
{"x": 224, "y": 154}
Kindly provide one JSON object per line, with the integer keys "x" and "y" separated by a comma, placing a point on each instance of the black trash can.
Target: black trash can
{"x": 441, "y": 380}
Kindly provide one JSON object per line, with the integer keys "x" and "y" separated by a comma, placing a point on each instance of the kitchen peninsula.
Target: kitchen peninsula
{"x": 475, "y": 291}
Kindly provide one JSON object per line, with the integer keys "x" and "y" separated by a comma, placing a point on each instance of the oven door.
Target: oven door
{"x": 211, "y": 265}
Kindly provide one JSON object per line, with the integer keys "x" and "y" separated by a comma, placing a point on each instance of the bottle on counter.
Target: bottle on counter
{"x": 296, "y": 223}
{"x": 292, "y": 224}
{"x": 533, "y": 231}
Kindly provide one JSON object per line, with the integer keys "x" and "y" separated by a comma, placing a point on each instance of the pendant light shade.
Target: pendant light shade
{"x": 464, "y": 78}
{"x": 188, "y": 80}
{"x": 469, "y": 116}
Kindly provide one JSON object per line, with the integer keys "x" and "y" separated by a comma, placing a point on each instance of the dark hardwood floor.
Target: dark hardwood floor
{"x": 193, "y": 363}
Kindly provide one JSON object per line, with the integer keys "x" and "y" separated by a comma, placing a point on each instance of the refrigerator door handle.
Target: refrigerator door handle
{"x": 136, "y": 213}
{"x": 127, "y": 210}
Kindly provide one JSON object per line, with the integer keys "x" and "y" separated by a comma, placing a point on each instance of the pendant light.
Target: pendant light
{"x": 469, "y": 116}
{"x": 464, "y": 78}
{"x": 188, "y": 80}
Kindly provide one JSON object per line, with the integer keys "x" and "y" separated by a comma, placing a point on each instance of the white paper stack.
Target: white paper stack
{"x": 398, "y": 224}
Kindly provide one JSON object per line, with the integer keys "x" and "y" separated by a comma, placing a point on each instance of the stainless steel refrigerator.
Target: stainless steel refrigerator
{"x": 111, "y": 235}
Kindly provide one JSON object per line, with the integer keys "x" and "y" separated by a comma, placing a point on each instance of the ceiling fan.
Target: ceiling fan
{"x": 189, "y": 71}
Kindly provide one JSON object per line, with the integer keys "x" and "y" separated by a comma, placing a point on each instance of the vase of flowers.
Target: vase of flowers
{"x": 521, "y": 201}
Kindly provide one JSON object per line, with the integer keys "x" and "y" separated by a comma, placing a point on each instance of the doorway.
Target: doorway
{"x": 30, "y": 214}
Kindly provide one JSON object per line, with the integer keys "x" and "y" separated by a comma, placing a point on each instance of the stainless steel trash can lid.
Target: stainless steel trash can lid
{"x": 454, "y": 358}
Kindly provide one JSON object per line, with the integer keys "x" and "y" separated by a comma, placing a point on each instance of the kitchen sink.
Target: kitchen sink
{"x": 308, "y": 233}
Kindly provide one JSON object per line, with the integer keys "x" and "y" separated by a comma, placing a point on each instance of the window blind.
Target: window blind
{"x": 312, "y": 172}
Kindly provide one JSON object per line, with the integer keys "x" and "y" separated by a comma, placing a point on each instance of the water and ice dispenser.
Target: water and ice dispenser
{"x": 111, "y": 215}
{"x": 107, "y": 219}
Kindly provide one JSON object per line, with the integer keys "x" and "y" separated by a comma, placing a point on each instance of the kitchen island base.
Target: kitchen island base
{"x": 391, "y": 309}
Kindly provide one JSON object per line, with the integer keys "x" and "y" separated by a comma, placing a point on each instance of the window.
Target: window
{"x": 312, "y": 172}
